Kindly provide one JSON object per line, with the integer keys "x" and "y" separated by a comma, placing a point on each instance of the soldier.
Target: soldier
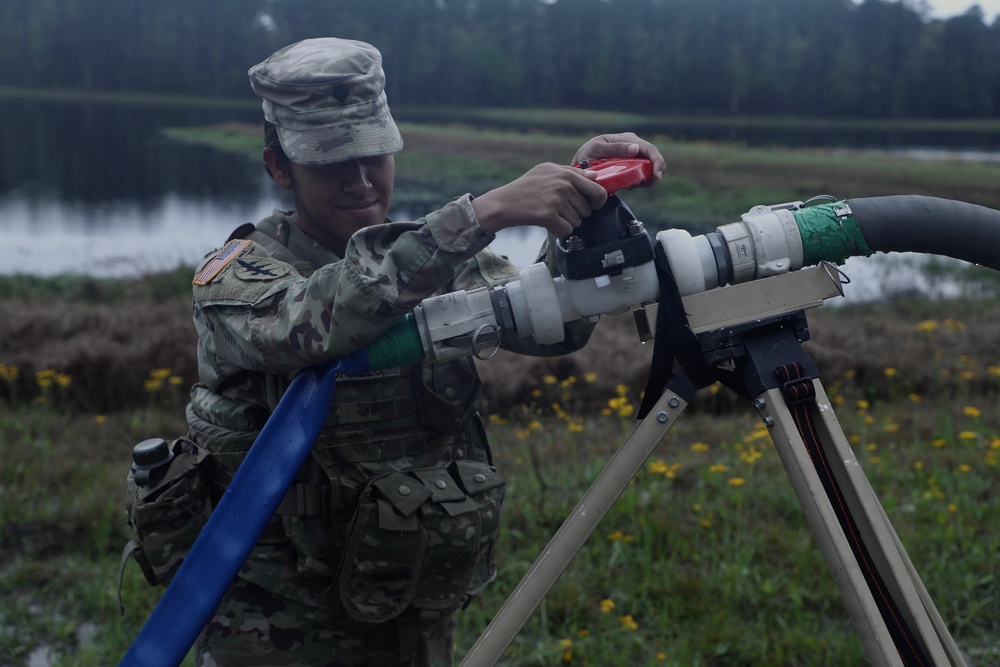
{"x": 321, "y": 281}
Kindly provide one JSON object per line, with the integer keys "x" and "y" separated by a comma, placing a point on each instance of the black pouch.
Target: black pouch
{"x": 166, "y": 516}
{"x": 423, "y": 538}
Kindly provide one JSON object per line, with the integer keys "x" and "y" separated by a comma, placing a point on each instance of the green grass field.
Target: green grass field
{"x": 706, "y": 559}
{"x": 706, "y": 184}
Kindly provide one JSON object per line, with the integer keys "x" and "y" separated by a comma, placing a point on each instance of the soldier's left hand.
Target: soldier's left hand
{"x": 623, "y": 145}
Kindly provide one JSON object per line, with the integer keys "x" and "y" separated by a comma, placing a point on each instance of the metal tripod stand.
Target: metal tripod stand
{"x": 755, "y": 330}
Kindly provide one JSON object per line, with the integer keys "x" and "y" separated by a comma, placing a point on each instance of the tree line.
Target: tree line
{"x": 813, "y": 58}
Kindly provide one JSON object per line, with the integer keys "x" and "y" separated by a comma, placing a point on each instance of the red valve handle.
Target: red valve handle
{"x": 613, "y": 174}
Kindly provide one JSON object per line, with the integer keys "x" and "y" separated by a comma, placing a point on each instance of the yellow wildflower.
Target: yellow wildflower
{"x": 44, "y": 378}
{"x": 736, "y": 482}
{"x": 607, "y": 605}
{"x": 620, "y": 406}
{"x": 971, "y": 411}
{"x": 628, "y": 622}
{"x": 567, "y": 648}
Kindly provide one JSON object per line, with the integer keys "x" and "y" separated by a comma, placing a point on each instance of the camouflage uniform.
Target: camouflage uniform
{"x": 286, "y": 302}
{"x": 274, "y": 301}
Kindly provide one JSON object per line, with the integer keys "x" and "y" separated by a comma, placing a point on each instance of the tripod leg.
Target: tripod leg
{"x": 954, "y": 654}
{"x": 891, "y": 610}
{"x": 575, "y": 530}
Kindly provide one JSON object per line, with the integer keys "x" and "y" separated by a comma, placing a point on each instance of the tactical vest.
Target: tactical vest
{"x": 415, "y": 426}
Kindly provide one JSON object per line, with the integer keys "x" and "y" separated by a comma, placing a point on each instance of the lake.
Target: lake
{"x": 94, "y": 188}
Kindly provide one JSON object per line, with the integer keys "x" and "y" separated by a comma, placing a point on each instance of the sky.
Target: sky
{"x": 948, "y": 8}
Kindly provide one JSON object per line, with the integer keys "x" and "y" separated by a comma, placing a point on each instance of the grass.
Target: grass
{"x": 707, "y": 183}
{"x": 705, "y": 560}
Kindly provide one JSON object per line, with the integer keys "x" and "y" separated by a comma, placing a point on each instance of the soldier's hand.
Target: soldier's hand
{"x": 549, "y": 195}
{"x": 624, "y": 145}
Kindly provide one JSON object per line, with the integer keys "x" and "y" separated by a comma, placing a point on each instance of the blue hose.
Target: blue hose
{"x": 243, "y": 512}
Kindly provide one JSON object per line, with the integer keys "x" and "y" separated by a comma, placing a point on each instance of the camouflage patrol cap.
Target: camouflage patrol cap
{"x": 326, "y": 96}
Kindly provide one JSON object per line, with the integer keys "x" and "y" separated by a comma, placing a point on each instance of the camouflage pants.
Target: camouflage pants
{"x": 253, "y": 627}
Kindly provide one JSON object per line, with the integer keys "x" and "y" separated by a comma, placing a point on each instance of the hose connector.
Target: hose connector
{"x": 765, "y": 242}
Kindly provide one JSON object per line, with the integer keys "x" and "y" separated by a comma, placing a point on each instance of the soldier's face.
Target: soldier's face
{"x": 334, "y": 201}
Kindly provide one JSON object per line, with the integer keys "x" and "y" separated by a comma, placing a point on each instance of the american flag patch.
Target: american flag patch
{"x": 228, "y": 253}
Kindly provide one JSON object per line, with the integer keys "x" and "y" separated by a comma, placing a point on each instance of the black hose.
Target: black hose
{"x": 914, "y": 223}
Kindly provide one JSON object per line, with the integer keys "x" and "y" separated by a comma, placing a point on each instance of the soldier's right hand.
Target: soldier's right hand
{"x": 549, "y": 195}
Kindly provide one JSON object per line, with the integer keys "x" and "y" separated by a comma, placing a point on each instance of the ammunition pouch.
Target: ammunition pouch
{"x": 422, "y": 538}
{"x": 166, "y": 517}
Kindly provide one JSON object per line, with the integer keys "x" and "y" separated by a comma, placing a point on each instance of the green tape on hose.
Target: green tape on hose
{"x": 399, "y": 346}
{"x": 827, "y": 236}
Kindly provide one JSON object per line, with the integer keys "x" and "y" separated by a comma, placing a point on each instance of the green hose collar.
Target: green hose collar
{"x": 829, "y": 233}
{"x": 399, "y": 346}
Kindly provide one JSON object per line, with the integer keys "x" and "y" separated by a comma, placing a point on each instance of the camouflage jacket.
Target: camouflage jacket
{"x": 285, "y": 302}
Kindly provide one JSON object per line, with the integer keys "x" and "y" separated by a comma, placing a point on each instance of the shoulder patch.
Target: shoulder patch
{"x": 258, "y": 268}
{"x": 226, "y": 254}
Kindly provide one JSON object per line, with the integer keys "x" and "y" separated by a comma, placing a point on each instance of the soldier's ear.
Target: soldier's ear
{"x": 278, "y": 167}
